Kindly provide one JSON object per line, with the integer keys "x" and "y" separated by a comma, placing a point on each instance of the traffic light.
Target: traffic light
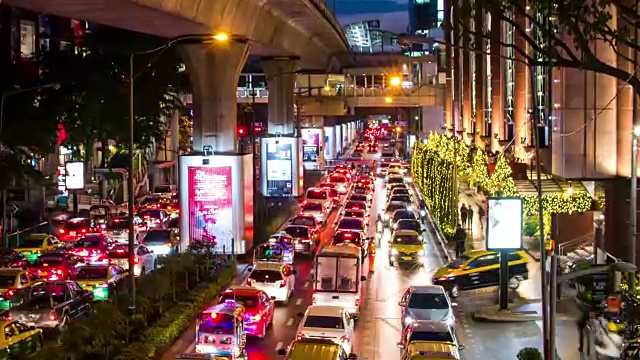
{"x": 242, "y": 131}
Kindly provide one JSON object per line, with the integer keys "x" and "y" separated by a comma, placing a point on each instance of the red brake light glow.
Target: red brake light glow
{"x": 348, "y": 235}
{"x": 214, "y": 315}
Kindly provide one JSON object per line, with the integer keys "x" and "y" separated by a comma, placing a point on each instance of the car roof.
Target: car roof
{"x": 396, "y": 203}
{"x": 324, "y": 310}
{"x": 409, "y": 220}
{"x": 406, "y": 233}
{"x": 431, "y": 326}
{"x": 427, "y": 289}
{"x": 243, "y": 290}
{"x": 268, "y": 265}
{"x": 38, "y": 236}
{"x": 11, "y": 270}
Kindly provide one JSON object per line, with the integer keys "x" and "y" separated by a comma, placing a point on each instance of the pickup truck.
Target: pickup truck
{"x": 52, "y": 305}
{"x": 85, "y": 202}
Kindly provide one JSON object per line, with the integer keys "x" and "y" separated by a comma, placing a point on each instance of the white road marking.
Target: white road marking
{"x": 279, "y": 345}
{"x": 290, "y": 322}
{"x": 306, "y": 285}
{"x": 298, "y": 302}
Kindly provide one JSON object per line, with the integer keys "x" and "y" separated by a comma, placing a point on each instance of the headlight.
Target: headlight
{"x": 395, "y": 226}
{"x": 408, "y": 320}
{"x": 394, "y": 252}
{"x": 420, "y": 237}
{"x": 421, "y": 253}
{"x": 423, "y": 212}
{"x": 410, "y": 208}
{"x": 386, "y": 216}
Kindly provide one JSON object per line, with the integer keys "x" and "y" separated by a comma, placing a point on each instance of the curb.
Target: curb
{"x": 507, "y": 316}
{"x": 535, "y": 257}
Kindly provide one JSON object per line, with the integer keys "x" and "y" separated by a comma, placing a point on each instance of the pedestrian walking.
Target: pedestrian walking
{"x": 463, "y": 214}
{"x": 586, "y": 316}
{"x": 470, "y": 217}
{"x": 481, "y": 215}
{"x": 372, "y": 256}
{"x": 460, "y": 239}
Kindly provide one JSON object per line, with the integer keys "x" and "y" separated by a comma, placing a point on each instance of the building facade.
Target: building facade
{"x": 425, "y": 15}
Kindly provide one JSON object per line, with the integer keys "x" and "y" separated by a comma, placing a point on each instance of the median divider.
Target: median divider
{"x": 435, "y": 228}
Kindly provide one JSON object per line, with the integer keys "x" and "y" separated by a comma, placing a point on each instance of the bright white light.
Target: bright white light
{"x": 636, "y": 130}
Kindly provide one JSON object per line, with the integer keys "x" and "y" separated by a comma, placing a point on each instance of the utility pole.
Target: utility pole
{"x": 633, "y": 195}
{"x": 131, "y": 197}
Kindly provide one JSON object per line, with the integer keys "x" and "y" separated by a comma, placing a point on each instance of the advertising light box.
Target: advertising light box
{"x": 339, "y": 143}
{"x": 213, "y": 202}
{"x": 312, "y": 157}
{"x": 504, "y": 224}
{"x": 281, "y": 166}
{"x": 330, "y": 142}
{"x": 74, "y": 175}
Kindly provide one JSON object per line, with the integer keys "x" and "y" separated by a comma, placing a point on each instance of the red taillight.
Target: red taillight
{"x": 53, "y": 316}
{"x": 61, "y": 231}
{"x": 357, "y": 302}
{"x": 249, "y": 281}
{"x": 214, "y": 315}
{"x": 283, "y": 283}
{"x": 300, "y": 337}
{"x": 157, "y": 221}
{"x": 8, "y": 294}
{"x": 84, "y": 230}
{"x": 59, "y": 272}
{"x": 314, "y": 298}
{"x": 344, "y": 338}
{"x": 136, "y": 260}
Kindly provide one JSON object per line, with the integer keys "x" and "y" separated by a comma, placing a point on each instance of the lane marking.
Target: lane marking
{"x": 289, "y": 322}
{"x": 298, "y": 302}
{"x": 306, "y": 285}
{"x": 279, "y": 345}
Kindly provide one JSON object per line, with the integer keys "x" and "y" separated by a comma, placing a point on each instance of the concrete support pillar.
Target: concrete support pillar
{"x": 497, "y": 84}
{"x": 214, "y": 73}
{"x": 624, "y": 108}
{"x": 480, "y": 74}
{"x": 467, "y": 125}
{"x": 281, "y": 78}
{"x": 521, "y": 101}
{"x": 448, "y": 69}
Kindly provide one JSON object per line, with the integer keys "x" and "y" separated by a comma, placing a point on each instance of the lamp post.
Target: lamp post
{"x": 4, "y": 190}
{"x": 199, "y": 38}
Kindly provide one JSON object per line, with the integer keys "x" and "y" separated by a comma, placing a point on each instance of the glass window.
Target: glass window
{"x": 93, "y": 242}
{"x": 439, "y": 337}
{"x": 428, "y": 301}
{"x": 9, "y": 331}
{"x": 48, "y": 261}
{"x": 20, "y": 327}
{"x": 248, "y": 301}
{"x": 407, "y": 240}
{"x": 326, "y": 322}
{"x": 266, "y": 276}
{"x": 23, "y": 279}
{"x": 317, "y": 194}
{"x": 514, "y": 257}
{"x": 7, "y": 281}
{"x": 76, "y": 225}
{"x": 31, "y": 276}
{"x": 32, "y": 243}
{"x": 118, "y": 224}
{"x": 92, "y": 273}
{"x": 157, "y": 237}
{"x": 297, "y": 231}
{"x": 313, "y": 206}
{"x": 488, "y": 260}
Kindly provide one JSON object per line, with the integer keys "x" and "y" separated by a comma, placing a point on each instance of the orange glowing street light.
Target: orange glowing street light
{"x": 388, "y": 100}
{"x": 221, "y": 36}
{"x": 395, "y": 81}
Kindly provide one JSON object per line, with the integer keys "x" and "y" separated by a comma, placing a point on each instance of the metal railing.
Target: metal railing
{"x": 15, "y": 239}
{"x": 442, "y": 240}
{"x": 574, "y": 244}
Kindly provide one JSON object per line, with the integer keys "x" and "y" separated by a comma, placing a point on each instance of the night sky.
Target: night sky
{"x": 393, "y": 14}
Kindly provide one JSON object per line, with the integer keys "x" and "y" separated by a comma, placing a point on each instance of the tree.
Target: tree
{"x": 185, "y": 140}
{"x": 501, "y": 180}
{"x": 479, "y": 169}
{"x": 95, "y": 84}
{"x": 560, "y": 33}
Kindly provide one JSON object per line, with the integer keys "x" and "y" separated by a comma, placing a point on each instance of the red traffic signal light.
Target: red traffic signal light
{"x": 242, "y": 131}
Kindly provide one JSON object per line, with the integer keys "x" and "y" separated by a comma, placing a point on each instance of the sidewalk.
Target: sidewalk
{"x": 476, "y": 232}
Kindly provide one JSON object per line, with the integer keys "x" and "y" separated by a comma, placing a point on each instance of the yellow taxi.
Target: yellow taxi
{"x": 35, "y": 244}
{"x": 429, "y": 340}
{"x": 19, "y": 340}
{"x": 12, "y": 284}
{"x": 103, "y": 280}
{"x": 315, "y": 349}
{"x": 478, "y": 269}
{"x": 406, "y": 246}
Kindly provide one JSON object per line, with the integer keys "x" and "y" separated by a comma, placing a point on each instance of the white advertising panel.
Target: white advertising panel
{"x": 312, "y": 144}
{"x": 339, "y": 144}
{"x": 329, "y": 142}
{"x": 74, "y": 179}
{"x": 504, "y": 224}
{"x": 281, "y": 166}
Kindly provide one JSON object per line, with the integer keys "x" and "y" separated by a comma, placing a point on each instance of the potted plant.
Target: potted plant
{"x": 529, "y": 353}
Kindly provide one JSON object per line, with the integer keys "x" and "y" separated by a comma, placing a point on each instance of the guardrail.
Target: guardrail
{"x": 14, "y": 239}
{"x": 574, "y": 244}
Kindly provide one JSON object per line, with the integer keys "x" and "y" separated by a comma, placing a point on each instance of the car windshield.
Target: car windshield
{"x": 88, "y": 242}
{"x": 248, "y": 301}
{"x": 317, "y": 194}
{"x": 326, "y": 322}
{"x": 404, "y": 214}
{"x": 353, "y": 224}
{"x": 312, "y": 207}
{"x": 297, "y": 231}
{"x": 409, "y": 225}
{"x": 47, "y": 261}
{"x": 32, "y": 243}
{"x": 150, "y": 214}
{"x": 395, "y": 180}
{"x": 150, "y": 200}
{"x": 428, "y": 301}
{"x": 44, "y": 296}
{"x": 304, "y": 221}
{"x": 162, "y": 189}
{"x": 384, "y": 165}
{"x": 118, "y": 224}
{"x": 7, "y": 281}
{"x": 355, "y": 205}
{"x": 393, "y": 207}
{"x": 407, "y": 240}
{"x": 76, "y": 225}
{"x": 358, "y": 198}
{"x": 402, "y": 198}
{"x": 354, "y": 213}
{"x": 400, "y": 191}
{"x": 92, "y": 273}
{"x": 157, "y": 237}
{"x": 174, "y": 223}
{"x": 459, "y": 262}
{"x": 438, "y": 337}
{"x": 265, "y": 276}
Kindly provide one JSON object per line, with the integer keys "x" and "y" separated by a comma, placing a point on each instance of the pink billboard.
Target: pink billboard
{"x": 210, "y": 205}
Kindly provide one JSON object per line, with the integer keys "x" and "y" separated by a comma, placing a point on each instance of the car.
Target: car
{"x": 305, "y": 238}
{"x": 144, "y": 261}
{"x": 406, "y": 246}
{"x": 402, "y": 198}
{"x": 426, "y": 302}
{"x": 391, "y": 188}
{"x": 13, "y": 283}
{"x": 170, "y": 208}
{"x": 381, "y": 170}
{"x": 9, "y": 258}
{"x": 154, "y": 218}
{"x": 395, "y": 168}
{"x": 57, "y": 265}
{"x": 393, "y": 180}
{"x": 408, "y": 224}
{"x": 333, "y": 192}
{"x": 306, "y": 220}
{"x": 102, "y": 279}
{"x": 277, "y": 280}
{"x": 345, "y": 171}
{"x": 34, "y": 245}
{"x": 92, "y": 248}
{"x": 259, "y": 308}
{"x": 355, "y": 213}
{"x": 118, "y": 229}
{"x": 401, "y": 214}
{"x": 74, "y": 229}
{"x": 320, "y": 196}
{"x": 359, "y": 197}
{"x": 365, "y": 180}
{"x": 357, "y": 205}
{"x": 315, "y": 209}
{"x": 356, "y": 238}
{"x": 341, "y": 182}
{"x": 161, "y": 241}
{"x": 315, "y": 348}
{"x": 20, "y": 340}
{"x": 357, "y": 155}
{"x": 351, "y": 224}
{"x": 390, "y": 209}
{"x": 151, "y": 202}
{"x": 430, "y": 337}
{"x": 397, "y": 191}
{"x": 479, "y": 269}
{"x": 362, "y": 190}
{"x": 328, "y": 322}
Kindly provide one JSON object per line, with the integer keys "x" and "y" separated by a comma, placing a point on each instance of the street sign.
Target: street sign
{"x": 12, "y": 209}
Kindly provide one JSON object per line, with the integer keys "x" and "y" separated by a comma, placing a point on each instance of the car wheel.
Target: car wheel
{"x": 455, "y": 291}
{"x": 513, "y": 283}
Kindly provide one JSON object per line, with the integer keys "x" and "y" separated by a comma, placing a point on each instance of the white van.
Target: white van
{"x": 338, "y": 277}
{"x": 318, "y": 195}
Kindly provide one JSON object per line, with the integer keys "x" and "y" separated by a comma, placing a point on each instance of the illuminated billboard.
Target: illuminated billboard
{"x": 330, "y": 142}
{"x": 281, "y": 166}
{"x": 312, "y": 156}
{"x": 504, "y": 224}
{"x": 214, "y": 203}
{"x": 339, "y": 144}
{"x": 74, "y": 175}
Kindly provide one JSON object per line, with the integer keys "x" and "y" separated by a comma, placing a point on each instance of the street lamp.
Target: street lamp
{"x": 220, "y": 37}
{"x": 55, "y": 86}
{"x": 388, "y": 99}
{"x": 395, "y": 81}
